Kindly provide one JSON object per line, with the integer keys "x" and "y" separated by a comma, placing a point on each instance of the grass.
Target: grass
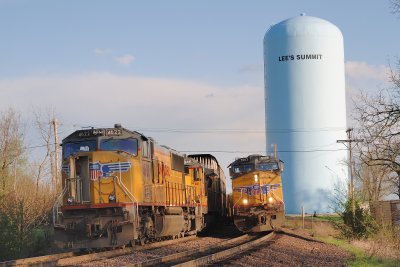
{"x": 331, "y": 218}
{"x": 310, "y": 217}
{"x": 322, "y": 227}
{"x": 319, "y": 225}
{"x": 360, "y": 258}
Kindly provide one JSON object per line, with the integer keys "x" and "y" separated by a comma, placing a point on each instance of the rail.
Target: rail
{"x": 235, "y": 250}
{"x": 75, "y": 258}
{"x": 204, "y": 255}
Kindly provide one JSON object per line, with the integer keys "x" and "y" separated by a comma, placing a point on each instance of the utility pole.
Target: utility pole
{"x": 274, "y": 145}
{"x": 56, "y": 150}
{"x": 349, "y": 141}
{"x": 15, "y": 174}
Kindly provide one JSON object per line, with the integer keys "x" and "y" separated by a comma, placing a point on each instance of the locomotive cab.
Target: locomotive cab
{"x": 98, "y": 207}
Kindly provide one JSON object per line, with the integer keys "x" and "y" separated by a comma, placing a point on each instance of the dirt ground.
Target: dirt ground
{"x": 300, "y": 247}
{"x": 291, "y": 250}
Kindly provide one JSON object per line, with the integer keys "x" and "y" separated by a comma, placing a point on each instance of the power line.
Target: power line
{"x": 224, "y": 130}
{"x": 239, "y": 131}
{"x": 234, "y": 151}
{"x": 33, "y": 147}
{"x": 261, "y": 151}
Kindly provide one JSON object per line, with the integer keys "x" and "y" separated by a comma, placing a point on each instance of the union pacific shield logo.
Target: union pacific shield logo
{"x": 255, "y": 189}
{"x": 98, "y": 170}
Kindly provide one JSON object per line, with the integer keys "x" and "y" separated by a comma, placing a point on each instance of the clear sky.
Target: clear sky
{"x": 188, "y": 73}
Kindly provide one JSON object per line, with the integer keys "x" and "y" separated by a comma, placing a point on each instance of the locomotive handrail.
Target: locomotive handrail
{"x": 57, "y": 204}
{"x": 67, "y": 188}
{"x": 60, "y": 197}
{"x": 129, "y": 194}
{"x": 241, "y": 195}
{"x": 126, "y": 191}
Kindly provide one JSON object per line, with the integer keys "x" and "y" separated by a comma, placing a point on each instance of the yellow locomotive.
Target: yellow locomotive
{"x": 257, "y": 196}
{"x": 120, "y": 187}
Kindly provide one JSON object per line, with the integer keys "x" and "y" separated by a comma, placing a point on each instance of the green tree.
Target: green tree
{"x": 361, "y": 225}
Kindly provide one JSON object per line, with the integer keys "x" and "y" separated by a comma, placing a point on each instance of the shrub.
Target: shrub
{"x": 361, "y": 225}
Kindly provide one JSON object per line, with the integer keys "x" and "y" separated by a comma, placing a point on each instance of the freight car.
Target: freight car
{"x": 121, "y": 187}
{"x": 215, "y": 187}
{"x": 257, "y": 196}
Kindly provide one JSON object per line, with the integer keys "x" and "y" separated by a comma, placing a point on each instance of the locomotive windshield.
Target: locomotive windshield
{"x": 84, "y": 146}
{"x": 242, "y": 168}
{"x": 270, "y": 166}
{"x": 253, "y": 163}
{"x": 127, "y": 145}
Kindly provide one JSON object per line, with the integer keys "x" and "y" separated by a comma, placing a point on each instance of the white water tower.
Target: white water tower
{"x": 305, "y": 109}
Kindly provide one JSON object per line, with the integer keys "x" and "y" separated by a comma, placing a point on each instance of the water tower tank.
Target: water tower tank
{"x": 305, "y": 109}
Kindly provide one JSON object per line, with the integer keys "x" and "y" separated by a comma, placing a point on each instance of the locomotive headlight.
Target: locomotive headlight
{"x": 70, "y": 200}
{"x": 111, "y": 198}
{"x": 255, "y": 178}
{"x": 245, "y": 201}
{"x": 270, "y": 199}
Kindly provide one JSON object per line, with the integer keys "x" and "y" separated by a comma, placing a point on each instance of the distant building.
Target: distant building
{"x": 386, "y": 212}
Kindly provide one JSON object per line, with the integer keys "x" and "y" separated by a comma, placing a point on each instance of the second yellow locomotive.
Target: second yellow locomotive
{"x": 257, "y": 196}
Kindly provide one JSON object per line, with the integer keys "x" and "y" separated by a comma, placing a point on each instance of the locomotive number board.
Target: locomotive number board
{"x": 100, "y": 132}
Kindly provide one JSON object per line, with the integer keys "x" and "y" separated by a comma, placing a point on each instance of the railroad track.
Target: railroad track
{"x": 205, "y": 255}
{"x": 74, "y": 258}
{"x": 287, "y": 248}
{"x": 38, "y": 261}
{"x": 194, "y": 257}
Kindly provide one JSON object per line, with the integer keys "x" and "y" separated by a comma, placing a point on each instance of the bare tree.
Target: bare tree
{"x": 21, "y": 211}
{"x": 374, "y": 182}
{"x": 379, "y": 119}
{"x": 46, "y": 166}
{"x": 11, "y": 144}
{"x": 379, "y": 126}
{"x": 395, "y": 6}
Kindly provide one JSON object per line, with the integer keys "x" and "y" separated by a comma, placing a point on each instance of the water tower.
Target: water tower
{"x": 305, "y": 109}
